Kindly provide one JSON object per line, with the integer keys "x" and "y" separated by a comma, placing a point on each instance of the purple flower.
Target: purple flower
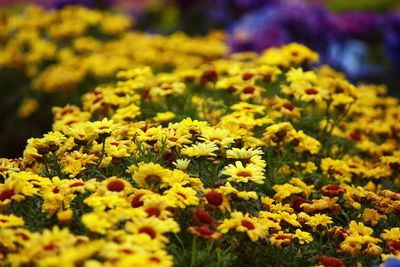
{"x": 391, "y": 38}
{"x": 358, "y": 24}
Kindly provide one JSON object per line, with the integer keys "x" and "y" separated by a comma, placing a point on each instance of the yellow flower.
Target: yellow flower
{"x": 180, "y": 196}
{"x": 200, "y": 150}
{"x": 238, "y": 173}
{"x": 153, "y": 227}
{"x": 27, "y": 107}
{"x": 318, "y": 220}
{"x": 10, "y": 221}
{"x": 303, "y": 237}
{"x": 243, "y": 223}
{"x": 149, "y": 175}
{"x": 392, "y": 234}
{"x": 373, "y": 216}
{"x": 285, "y": 190}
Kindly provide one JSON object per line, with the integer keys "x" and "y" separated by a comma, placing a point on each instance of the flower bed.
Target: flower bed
{"x": 252, "y": 159}
{"x": 52, "y": 57}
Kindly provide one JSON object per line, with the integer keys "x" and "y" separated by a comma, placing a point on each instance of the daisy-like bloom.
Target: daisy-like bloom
{"x": 154, "y": 227}
{"x": 281, "y": 239}
{"x": 204, "y": 232}
{"x": 278, "y": 132}
{"x": 181, "y": 197}
{"x": 373, "y": 250}
{"x": 308, "y": 189}
{"x": 149, "y": 175}
{"x": 125, "y": 114}
{"x": 220, "y": 137}
{"x": 371, "y": 215}
{"x": 216, "y": 199}
{"x": 247, "y": 107}
{"x": 246, "y": 156}
{"x": 10, "y": 221}
{"x": 164, "y": 117}
{"x": 304, "y": 143}
{"x": 250, "y": 91}
{"x": 238, "y": 173}
{"x": 193, "y": 127}
{"x": 332, "y": 190}
{"x": 103, "y": 128}
{"x": 243, "y": 223}
{"x": 313, "y": 93}
{"x": 303, "y": 237}
{"x": 157, "y": 206}
{"x": 200, "y": 150}
{"x": 246, "y": 195}
{"x": 182, "y": 164}
{"x": 351, "y": 246}
{"x": 318, "y": 220}
{"x": 392, "y": 234}
{"x": 285, "y": 190}
{"x": 114, "y": 186}
{"x": 297, "y": 74}
{"x": 165, "y": 89}
{"x": 268, "y": 73}
{"x": 17, "y": 188}
{"x": 99, "y": 221}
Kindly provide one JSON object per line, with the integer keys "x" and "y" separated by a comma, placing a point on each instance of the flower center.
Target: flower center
{"x": 244, "y": 174}
{"x": 311, "y": 91}
{"x": 152, "y": 179}
{"x": 214, "y": 198}
{"x": 288, "y": 106}
{"x": 136, "y": 201}
{"x": 152, "y": 212}
{"x": 248, "y": 90}
{"x": 148, "y": 230}
{"x": 248, "y": 224}
{"x": 6, "y": 194}
{"x": 116, "y": 186}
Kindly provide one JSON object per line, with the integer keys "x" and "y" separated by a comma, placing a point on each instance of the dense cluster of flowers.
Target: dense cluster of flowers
{"x": 252, "y": 159}
{"x": 54, "y": 56}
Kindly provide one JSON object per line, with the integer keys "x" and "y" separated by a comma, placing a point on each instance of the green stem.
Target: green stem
{"x": 192, "y": 260}
{"x": 102, "y": 153}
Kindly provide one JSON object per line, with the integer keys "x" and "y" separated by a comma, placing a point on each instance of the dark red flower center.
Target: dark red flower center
{"x": 248, "y": 224}
{"x": 311, "y": 91}
{"x": 6, "y": 194}
{"x": 116, "y": 186}
{"x": 248, "y": 90}
{"x": 214, "y": 198}
{"x": 288, "y": 106}
{"x": 153, "y": 212}
{"x": 247, "y": 76}
{"x": 244, "y": 174}
{"x": 148, "y": 230}
{"x": 136, "y": 201}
